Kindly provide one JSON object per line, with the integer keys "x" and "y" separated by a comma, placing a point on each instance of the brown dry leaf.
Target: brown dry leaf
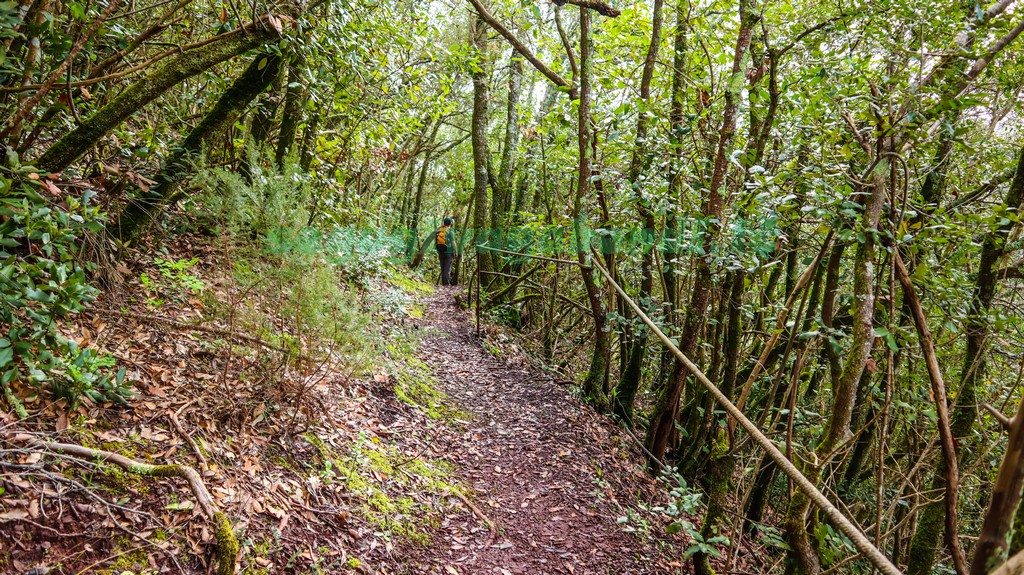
{"x": 13, "y": 515}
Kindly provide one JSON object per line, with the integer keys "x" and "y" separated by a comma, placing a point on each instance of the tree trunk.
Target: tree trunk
{"x": 803, "y": 555}
{"x": 187, "y": 64}
{"x": 593, "y": 384}
{"x": 924, "y": 545}
{"x": 142, "y": 211}
{"x": 625, "y": 391}
{"x": 664, "y": 413}
{"x": 478, "y": 136}
{"x": 502, "y": 194}
{"x": 417, "y": 206}
{"x": 309, "y": 135}
{"x": 993, "y": 544}
{"x": 292, "y": 116}
{"x": 721, "y": 459}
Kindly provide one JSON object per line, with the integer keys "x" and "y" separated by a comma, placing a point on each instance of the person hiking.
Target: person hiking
{"x": 446, "y": 244}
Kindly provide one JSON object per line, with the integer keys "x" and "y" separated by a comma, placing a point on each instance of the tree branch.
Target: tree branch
{"x": 522, "y": 49}
{"x": 947, "y": 442}
{"x": 599, "y": 7}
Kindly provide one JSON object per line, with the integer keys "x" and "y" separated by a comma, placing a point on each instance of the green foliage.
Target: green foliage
{"x": 271, "y": 205}
{"x": 41, "y": 284}
{"x": 281, "y": 257}
{"x": 177, "y": 272}
{"x": 683, "y": 503}
{"x": 364, "y": 254}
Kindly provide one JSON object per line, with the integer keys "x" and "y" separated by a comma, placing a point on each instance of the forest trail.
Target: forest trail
{"x": 551, "y": 474}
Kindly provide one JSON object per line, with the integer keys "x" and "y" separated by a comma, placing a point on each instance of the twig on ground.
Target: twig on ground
{"x": 206, "y": 329}
{"x": 188, "y": 438}
{"x": 491, "y": 527}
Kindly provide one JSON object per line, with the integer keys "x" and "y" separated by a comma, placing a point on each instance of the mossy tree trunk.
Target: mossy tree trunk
{"x": 721, "y": 460}
{"x": 174, "y": 70}
{"x": 597, "y": 374}
{"x": 478, "y": 136}
{"x": 413, "y": 252}
{"x": 626, "y": 389}
{"x": 677, "y": 121}
{"x": 803, "y": 556}
{"x": 501, "y": 207}
{"x": 931, "y": 524}
{"x": 666, "y": 406}
{"x": 142, "y": 211}
{"x": 292, "y": 116}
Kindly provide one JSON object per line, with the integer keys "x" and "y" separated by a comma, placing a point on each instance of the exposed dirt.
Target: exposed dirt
{"x": 297, "y": 457}
{"x": 551, "y": 474}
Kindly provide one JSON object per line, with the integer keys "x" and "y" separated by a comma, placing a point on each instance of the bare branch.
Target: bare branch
{"x": 522, "y": 49}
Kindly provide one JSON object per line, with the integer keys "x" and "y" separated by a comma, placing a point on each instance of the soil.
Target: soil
{"x": 551, "y": 475}
{"x": 545, "y": 479}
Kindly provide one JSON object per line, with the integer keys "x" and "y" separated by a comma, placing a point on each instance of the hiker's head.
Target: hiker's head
{"x": 448, "y": 221}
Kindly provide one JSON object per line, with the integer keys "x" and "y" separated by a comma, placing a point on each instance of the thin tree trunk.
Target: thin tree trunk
{"x": 667, "y": 405}
{"x": 414, "y": 229}
{"x": 625, "y": 391}
{"x": 593, "y": 384}
{"x": 803, "y": 555}
{"x": 931, "y": 525}
{"x": 292, "y": 116}
{"x": 948, "y": 442}
{"x": 479, "y": 140}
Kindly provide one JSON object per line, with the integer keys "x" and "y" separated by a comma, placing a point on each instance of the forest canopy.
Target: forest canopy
{"x": 817, "y": 203}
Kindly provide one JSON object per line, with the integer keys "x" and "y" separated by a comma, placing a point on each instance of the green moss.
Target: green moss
{"x": 227, "y": 545}
{"x": 132, "y": 562}
{"x": 415, "y": 385}
{"x": 385, "y": 480}
{"x": 412, "y": 285}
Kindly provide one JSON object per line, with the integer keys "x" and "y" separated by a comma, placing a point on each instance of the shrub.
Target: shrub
{"x": 41, "y": 283}
{"x": 267, "y": 217}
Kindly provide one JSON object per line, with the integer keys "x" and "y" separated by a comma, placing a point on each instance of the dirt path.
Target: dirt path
{"x": 550, "y": 473}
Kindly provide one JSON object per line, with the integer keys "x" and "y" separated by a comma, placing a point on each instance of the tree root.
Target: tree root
{"x": 227, "y": 543}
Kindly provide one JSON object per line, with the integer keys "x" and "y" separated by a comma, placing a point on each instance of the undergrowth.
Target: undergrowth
{"x": 403, "y": 496}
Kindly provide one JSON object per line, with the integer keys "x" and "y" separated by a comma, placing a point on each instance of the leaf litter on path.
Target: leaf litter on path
{"x": 547, "y": 470}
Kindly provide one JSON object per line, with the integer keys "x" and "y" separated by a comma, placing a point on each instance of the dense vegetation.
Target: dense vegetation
{"x": 818, "y": 203}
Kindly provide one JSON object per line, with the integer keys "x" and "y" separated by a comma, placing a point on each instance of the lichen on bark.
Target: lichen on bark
{"x": 174, "y": 70}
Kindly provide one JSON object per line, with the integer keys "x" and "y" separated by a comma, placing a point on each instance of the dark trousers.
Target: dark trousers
{"x": 446, "y": 265}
